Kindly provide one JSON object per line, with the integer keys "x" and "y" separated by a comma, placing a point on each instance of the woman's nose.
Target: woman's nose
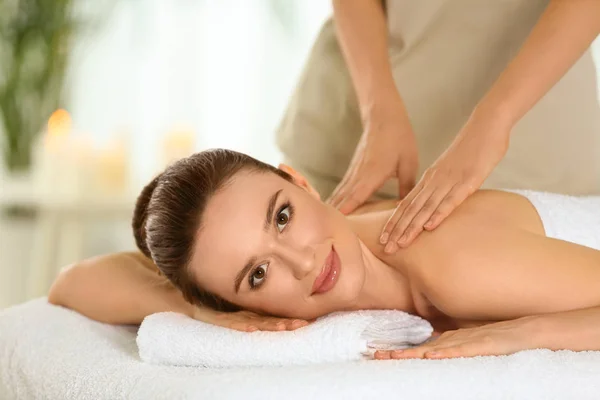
{"x": 301, "y": 260}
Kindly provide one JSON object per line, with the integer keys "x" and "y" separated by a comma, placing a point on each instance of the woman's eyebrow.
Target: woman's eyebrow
{"x": 268, "y": 218}
{"x": 271, "y": 209}
{"x": 243, "y": 272}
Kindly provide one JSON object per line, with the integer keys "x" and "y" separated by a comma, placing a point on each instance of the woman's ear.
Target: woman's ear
{"x": 300, "y": 180}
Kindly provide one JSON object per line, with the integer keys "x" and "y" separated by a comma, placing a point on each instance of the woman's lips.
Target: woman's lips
{"x": 329, "y": 274}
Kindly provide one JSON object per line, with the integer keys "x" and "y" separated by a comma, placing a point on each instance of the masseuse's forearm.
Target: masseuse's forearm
{"x": 572, "y": 330}
{"x": 362, "y": 32}
{"x": 563, "y": 33}
{"x": 118, "y": 289}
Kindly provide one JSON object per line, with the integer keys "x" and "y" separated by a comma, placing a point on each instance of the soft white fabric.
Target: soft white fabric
{"x": 174, "y": 339}
{"x": 48, "y": 352}
{"x": 569, "y": 218}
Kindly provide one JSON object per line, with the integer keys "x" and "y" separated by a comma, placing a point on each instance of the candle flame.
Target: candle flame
{"x": 59, "y": 124}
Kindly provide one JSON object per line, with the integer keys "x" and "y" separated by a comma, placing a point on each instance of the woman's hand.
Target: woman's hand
{"x": 247, "y": 321}
{"x": 495, "y": 339}
{"x": 457, "y": 174}
{"x": 386, "y": 149}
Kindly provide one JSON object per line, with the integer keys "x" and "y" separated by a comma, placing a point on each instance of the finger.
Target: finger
{"x": 358, "y": 194}
{"x": 340, "y": 191}
{"x": 270, "y": 325}
{"x": 407, "y": 216}
{"x": 242, "y": 327}
{"x": 396, "y": 214}
{"x": 461, "y": 350}
{"x": 415, "y": 227}
{"x": 280, "y": 326}
{"x": 382, "y": 355}
{"x": 414, "y": 352}
{"x": 445, "y": 208}
{"x": 296, "y": 324}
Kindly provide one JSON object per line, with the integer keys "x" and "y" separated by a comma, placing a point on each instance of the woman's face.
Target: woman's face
{"x": 264, "y": 241}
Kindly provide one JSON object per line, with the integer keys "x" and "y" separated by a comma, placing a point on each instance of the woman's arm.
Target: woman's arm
{"x": 577, "y": 330}
{"x": 563, "y": 33}
{"x": 118, "y": 289}
{"x": 387, "y": 147}
{"x": 124, "y": 288}
{"x": 362, "y": 32}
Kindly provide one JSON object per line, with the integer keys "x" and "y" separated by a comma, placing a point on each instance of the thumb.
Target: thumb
{"x": 342, "y": 188}
{"x": 359, "y": 193}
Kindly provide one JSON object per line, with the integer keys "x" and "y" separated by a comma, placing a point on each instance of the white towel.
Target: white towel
{"x": 174, "y": 339}
{"x": 569, "y": 218}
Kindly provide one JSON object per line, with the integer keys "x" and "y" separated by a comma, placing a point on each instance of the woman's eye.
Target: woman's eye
{"x": 258, "y": 276}
{"x": 283, "y": 218}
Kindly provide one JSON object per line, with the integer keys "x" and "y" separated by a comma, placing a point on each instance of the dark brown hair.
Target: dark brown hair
{"x": 168, "y": 213}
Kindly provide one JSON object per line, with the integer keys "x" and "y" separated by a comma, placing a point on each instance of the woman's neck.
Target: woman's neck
{"x": 386, "y": 284}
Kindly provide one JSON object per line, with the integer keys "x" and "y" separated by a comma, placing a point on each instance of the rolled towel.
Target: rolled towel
{"x": 175, "y": 339}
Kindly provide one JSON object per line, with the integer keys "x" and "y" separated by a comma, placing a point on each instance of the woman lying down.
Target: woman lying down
{"x": 229, "y": 240}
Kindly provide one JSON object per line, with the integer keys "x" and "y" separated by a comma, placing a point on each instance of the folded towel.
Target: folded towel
{"x": 175, "y": 339}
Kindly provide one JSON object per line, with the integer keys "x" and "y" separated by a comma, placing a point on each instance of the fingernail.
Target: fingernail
{"x": 390, "y": 247}
{"x": 384, "y": 238}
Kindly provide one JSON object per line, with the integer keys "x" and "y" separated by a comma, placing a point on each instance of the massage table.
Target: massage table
{"x": 49, "y": 352}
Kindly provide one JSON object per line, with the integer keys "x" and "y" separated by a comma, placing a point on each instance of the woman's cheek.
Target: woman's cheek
{"x": 280, "y": 297}
{"x": 317, "y": 225}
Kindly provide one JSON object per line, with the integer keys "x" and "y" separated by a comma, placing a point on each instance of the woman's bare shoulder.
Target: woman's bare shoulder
{"x": 141, "y": 258}
{"x": 484, "y": 260}
{"x": 498, "y": 208}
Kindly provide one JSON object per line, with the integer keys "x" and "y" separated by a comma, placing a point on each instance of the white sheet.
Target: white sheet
{"x": 47, "y": 352}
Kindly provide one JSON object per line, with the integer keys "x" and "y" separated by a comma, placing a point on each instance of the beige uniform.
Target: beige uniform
{"x": 445, "y": 55}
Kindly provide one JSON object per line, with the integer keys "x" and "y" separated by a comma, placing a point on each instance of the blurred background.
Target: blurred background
{"x": 97, "y": 96}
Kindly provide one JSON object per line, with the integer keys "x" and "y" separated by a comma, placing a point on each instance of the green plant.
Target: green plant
{"x": 35, "y": 38}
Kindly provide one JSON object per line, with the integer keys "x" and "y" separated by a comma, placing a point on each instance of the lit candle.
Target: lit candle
{"x": 112, "y": 169}
{"x": 50, "y": 160}
{"x": 177, "y": 144}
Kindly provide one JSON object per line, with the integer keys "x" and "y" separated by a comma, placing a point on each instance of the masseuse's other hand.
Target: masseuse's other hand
{"x": 457, "y": 174}
{"x": 386, "y": 149}
{"x": 495, "y": 339}
{"x": 247, "y": 321}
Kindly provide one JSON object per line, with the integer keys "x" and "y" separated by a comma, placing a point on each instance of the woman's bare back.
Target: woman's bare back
{"x": 489, "y": 261}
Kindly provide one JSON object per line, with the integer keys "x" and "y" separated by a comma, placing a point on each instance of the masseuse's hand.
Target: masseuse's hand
{"x": 387, "y": 149}
{"x": 495, "y": 339}
{"x": 457, "y": 174}
{"x": 247, "y": 321}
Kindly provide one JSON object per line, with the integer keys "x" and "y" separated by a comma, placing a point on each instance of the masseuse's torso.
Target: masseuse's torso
{"x": 445, "y": 56}
{"x": 494, "y": 210}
